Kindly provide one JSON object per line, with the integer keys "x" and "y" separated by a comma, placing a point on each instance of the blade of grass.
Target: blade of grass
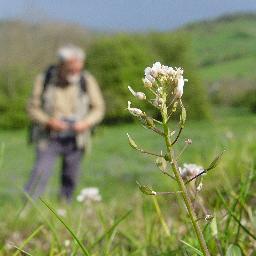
{"x": 111, "y": 229}
{"x": 20, "y": 250}
{"x": 109, "y": 243}
{"x": 160, "y": 216}
{"x": 232, "y": 214}
{"x": 28, "y": 240}
{"x": 84, "y": 250}
{"x": 192, "y": 248}
{"x": 243, "y": 192}
{"x": 49, "y": 224}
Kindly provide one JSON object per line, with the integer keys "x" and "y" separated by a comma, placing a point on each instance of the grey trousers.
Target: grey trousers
{"x": 45, "y": 160}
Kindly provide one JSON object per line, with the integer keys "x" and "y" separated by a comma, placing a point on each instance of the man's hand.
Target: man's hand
{"x": 81, "y": 126}
{"x": 57, "y": 125}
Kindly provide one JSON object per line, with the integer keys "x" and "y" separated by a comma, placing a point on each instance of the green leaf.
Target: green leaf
{"x": 146, "y": 189}
{"x": 215, "y": 162}
{"x": 233, "y": 250}
{"x": 192, "y": 248}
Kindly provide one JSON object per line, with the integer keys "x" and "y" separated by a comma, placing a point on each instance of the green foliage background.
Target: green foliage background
{"x": 225, "y": 74}
{"x": 15, "y": 87}
{"x": 117, "y": 61}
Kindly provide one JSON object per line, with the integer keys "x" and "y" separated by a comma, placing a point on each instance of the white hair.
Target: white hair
{"x": 68, "y": 52}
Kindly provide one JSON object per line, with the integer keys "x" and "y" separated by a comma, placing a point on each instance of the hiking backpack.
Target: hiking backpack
{"x": 49, "y": 74}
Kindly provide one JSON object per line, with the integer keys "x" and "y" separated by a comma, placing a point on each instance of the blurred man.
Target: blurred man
{"x": 66, "y": 104}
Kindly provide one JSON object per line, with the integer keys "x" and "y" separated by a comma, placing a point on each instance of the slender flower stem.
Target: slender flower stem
{"x": 148, "y": 153}
{"x": 182, "y": 187}
{"x": 177, "y": 137}
{"x": 182, "y": 151}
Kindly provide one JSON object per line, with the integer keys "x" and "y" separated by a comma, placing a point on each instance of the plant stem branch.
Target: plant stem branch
{"x": 182, "y": 187}
{"x": 149, "y": 153}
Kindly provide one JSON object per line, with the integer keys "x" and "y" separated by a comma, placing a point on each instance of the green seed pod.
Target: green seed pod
{"x": 175, "y": 105}
{"x": 146, "y": 189}
{"x": 150, "y": 122}
{"x": 167, "y": 157}
{"x": 132, "y": 142}
{"x": 183, "y": 116}
{"x": 215, "y": 161}
{"x": 161, "y": 163}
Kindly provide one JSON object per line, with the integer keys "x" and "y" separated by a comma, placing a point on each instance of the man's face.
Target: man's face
{"x": 71, "y": 69}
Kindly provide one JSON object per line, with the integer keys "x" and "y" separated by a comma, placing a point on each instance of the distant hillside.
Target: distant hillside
{"x": 34, "y": 45}
{"x": 225, "y": 48}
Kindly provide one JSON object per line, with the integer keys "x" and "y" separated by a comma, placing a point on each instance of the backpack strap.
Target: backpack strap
{"x": 51, "y": 72}
{"x": 83, "y": 83}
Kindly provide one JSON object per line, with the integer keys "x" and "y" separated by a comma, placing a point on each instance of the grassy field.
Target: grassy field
{"x": 225, "y": 47}
{"x": 114, "y": 168}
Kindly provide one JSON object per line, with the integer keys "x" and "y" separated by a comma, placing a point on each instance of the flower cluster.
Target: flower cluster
{"x": 162, "y": 81}
{"x": 190, "y": 170}
{"x": 91, "y": 194}
{"x": 170, "y": 76}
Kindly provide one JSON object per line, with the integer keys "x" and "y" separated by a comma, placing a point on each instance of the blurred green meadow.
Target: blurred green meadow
{"x": 218, "y": 57}
{"x": 114, "y": 168}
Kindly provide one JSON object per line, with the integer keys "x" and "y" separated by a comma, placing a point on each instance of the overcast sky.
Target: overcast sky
{"x": 135, "y": 15}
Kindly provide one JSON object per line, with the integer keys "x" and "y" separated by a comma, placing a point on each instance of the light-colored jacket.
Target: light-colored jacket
{"x": 64, "y": 102}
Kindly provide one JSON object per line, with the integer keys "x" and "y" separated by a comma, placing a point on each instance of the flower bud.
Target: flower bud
{"x": 179, "y": 88}
{"x": 147, "y": 83}
{"x": 150, "y": 122}
{"x": 134, "y": 111}
{"x": 139, "y": 95}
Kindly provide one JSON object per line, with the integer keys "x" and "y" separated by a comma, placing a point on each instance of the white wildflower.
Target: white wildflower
{"x": 156, "y": 69}
{"x": 179, "y": 72}
{"x": 134, "y": 111}
{"x": 167, "y": 70}
{"x": 67, "y": 243}
{"x": 190, "y": 170}
{"x": 61, "y": 212}
{"x": 148, "y": 75}
{"x": 90, "y": 194}
{"x": 139, "y": 95}
{"x": 147, "y": 71}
